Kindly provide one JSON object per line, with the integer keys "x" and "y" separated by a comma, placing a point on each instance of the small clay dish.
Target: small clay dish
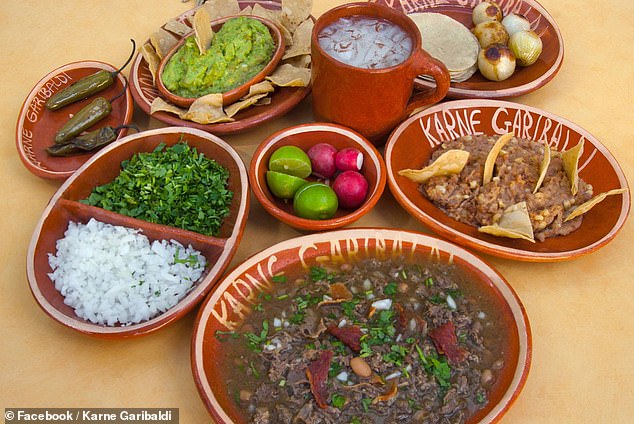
{"x": 412, "y": 143}
{"x": 226, "y": 311}
{"x": 305, "y": 136}
{"x": 36, "y": 125}
{"x": 235, "y": 94}
{"x": 65, "y": 206}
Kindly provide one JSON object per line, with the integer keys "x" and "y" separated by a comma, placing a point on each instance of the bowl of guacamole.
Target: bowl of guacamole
{"x": 243, "y": 51}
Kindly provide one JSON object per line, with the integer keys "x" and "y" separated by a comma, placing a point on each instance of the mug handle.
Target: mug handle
{"x": 424, "y": 63}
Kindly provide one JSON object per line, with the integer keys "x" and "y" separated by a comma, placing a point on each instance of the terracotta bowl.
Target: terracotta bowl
{"x": 233, "y": 298}
{"x": 235, "y": 94}
{"x": 102, "y": 168}
{"x": 36, "y": 126}
{"x": 305, "y": 136}
{"x": 411, "y": 145}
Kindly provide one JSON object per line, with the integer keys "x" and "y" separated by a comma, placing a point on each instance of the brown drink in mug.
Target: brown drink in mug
{"x": 365, "y": 57}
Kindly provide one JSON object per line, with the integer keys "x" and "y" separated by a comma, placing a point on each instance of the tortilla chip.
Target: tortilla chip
{"x": 274, "y": 16}
{"x": 585, "y": 207}
{"x": 543, "y": 170}
{"x": 247, "y": 11}
{"x": 570, "y": 160}
{"x": 515, "y": 222}
{"x": 202, "y": 30}
{"x": 236, "y": 107}
{"x": 220, "y": 8}
{"x": 207, "y": 110}
{"x": 302, "y": 61}
{"x": 163, "y": 41}
{"x": 160, "y": 105}
{"x": 260, "y": 88}
{"x": 152, "y": 59}
{"x": 450, "y": 162}
{"x": 489, "y": 164}
{"x": 289, "y": 76}
{"x": 301, "y": 40}
{"x": 265, "y": 101}
{"x": 177, "y": 27}
{"x": 294, "y": 12}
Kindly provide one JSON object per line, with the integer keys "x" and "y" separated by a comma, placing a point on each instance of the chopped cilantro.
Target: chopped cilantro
{"x": 335, "y": 369}
{"x": 338, "y": 401}
{"x": 366, "y": 402}
{"x": 318, "y": 273}
{"x": 429, "y": 282}
{"x": 174, "y": 186}
{"x": 390, "y": 288}
{"x": 255, "y": 341}
{"x": 279, "y": 278}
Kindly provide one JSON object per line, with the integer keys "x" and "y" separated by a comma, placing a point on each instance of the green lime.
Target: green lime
{"x": 290, "y": 160}
{"x": 283, "y": 186}
{"x": 315, "y": 201}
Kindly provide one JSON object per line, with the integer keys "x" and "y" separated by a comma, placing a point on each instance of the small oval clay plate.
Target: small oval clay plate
{"x": 36, "y": 126}
{"x": 412, "y": 143}
{"x": 282, "y": 100}
{"x": 102, "y": 168}
{"x": 524, "y": 80}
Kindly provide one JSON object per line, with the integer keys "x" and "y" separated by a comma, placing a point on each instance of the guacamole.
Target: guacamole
{"x": 240, "y": 50}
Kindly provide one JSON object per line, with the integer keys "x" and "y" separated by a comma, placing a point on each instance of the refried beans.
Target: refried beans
{"x": 517, "y": 168}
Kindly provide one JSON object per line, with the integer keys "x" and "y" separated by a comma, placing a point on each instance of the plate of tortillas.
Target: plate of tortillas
{"x": 446, "y": 30}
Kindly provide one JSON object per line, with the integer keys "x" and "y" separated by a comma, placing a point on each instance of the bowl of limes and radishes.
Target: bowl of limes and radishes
{"x": 317, "y": 176}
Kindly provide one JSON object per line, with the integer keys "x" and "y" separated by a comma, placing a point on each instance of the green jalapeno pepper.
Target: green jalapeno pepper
{"x": 87, "y": 142}
{"x": 88, "y": 116}
{"x": 86, "y": 87}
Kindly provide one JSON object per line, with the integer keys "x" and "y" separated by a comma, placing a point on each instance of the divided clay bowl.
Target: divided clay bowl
{"x": 235, "y": 94}
{"x": 412, "y": 143}
{"x": 36, "y": 125}
{"x": 304, "y": 136}
{"x": 102, "y": 168}
{"x": 233, "y": 298}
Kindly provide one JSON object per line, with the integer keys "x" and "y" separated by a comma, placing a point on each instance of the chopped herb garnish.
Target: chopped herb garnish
{"x": 437, "y": 299}
{"x": 390, "y": 288}
{"x": 318, "y": 273}
{"x": 256, "y": 341}
{"x": 191, "y": 260}
{"x": 481, "y": 398}
{"x": 436, "y": 366}
{"x": 225, "y": 335}
{"x": 348, "y": 307}
{"x": 258, "y": 307}
{"x": 355, "y": 420}
{"x": 403, "y": 274}
{"x": 366, "y": 402}
{"x": 254, "y": 370}
{"x": 174, "y": 186}
{"x": 396, "y": 355}
{"x": 429, "y": 282}
{"x": 335, "y": 369}
{"x": 338, "y": 401}
{"x": 282, "y": 297}
{"x": 279, "y": 278}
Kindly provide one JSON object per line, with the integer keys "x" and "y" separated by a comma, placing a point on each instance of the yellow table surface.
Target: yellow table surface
{"x": 581, "y": 311}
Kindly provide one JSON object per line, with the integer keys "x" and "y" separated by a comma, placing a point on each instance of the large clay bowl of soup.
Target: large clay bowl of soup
{"x": 140, "y": 233}
{"x": 361, "y": 325}
{"x": 200, "y": 78}
{"x": 554, "y": 191}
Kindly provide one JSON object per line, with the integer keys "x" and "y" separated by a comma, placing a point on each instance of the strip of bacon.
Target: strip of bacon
{"x": 445, "y": 340}
{"x": 350, "y": 336}
{"x": 317, "y": 373}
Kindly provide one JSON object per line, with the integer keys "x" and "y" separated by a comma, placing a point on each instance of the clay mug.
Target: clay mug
{"x": 372, "y": 101}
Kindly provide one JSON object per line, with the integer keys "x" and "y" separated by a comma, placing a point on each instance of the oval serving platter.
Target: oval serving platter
{"x": 233, "y": 298}
{"x": 283, "y": 100}
{"x": 410, "y": 146}
{"x": 102, "y": 168}
{"x": 524, "y": 80}
{"x": 36, "y": 125}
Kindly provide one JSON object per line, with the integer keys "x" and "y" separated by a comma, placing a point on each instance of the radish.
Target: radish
{"x": 322, "y": 157}
{"x": 351, "y": 188}
{"x": 349, "y": 159}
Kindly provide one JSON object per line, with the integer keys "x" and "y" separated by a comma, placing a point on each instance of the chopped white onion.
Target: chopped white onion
{"x": 277, "y": 322}
{"x": 451, "y": 303}
{"x": 342, "y": 376}
{"x": 367, "y": 284}
{"x": 393, "y": 375}
{"x": 342, "y": 323}
{"x": 383, "y": 304}
{"x": 481, "y": 315}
